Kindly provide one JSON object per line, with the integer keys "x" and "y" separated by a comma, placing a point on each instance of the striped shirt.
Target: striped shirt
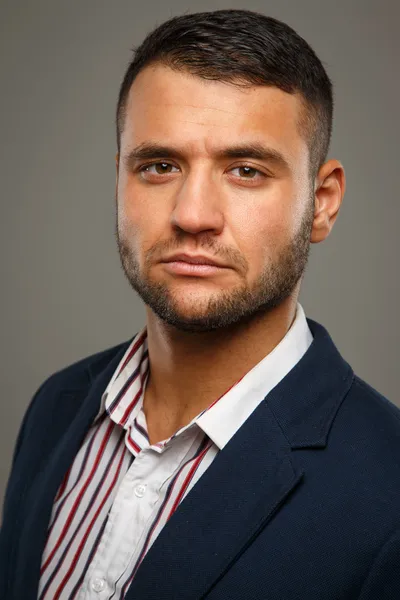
{"x": 120, "y": 491}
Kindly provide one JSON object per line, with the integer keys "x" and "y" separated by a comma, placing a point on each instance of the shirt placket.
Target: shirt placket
{"x": 134, "y": 509}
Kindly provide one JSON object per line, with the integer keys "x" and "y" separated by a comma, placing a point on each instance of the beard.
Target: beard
{"x": 223, "y": 308}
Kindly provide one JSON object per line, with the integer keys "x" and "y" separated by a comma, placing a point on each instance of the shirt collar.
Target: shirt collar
{"x": 128, "y": 381}
{"x": 224, "y": 417}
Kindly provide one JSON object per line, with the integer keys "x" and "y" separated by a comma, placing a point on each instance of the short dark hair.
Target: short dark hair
{"x": 244, "y": 48}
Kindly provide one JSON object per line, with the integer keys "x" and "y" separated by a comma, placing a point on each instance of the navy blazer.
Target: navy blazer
{"x": 303, "y": 503}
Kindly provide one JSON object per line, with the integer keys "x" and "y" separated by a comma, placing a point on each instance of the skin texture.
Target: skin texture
{"x": 257, "y": 215}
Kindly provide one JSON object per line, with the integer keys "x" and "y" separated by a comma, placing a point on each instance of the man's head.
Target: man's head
{"x": 223, "y": 126}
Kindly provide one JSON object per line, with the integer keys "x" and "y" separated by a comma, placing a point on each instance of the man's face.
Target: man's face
{"x": 208, "y": 192}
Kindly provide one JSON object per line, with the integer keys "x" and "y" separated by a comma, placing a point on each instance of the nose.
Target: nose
{"x": 198, "y": 202}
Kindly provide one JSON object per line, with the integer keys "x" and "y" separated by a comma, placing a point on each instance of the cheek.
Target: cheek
{"x": 265, "y": 224}
{"x": 130, "y": 203}
{"x": 138, "y": 218}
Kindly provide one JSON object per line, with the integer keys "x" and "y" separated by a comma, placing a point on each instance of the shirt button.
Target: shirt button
{"x": 98, "y": 584}
{"x": 140, "y": 490}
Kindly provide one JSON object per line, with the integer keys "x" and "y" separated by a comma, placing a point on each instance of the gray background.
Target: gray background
{"x": 63, "y": 293}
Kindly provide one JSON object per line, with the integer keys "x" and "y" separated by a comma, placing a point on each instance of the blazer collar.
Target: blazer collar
{"x": 307, "y": 399}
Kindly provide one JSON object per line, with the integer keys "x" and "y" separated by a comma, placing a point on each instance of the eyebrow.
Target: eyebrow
{"x": 151, "y": 151}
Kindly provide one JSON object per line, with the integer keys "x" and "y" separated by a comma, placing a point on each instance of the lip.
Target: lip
{"x": 194, "y": 260}
{"x": 181, "y": 267}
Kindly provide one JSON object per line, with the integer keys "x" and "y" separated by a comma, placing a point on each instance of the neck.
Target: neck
{"x": 188, "y": 371}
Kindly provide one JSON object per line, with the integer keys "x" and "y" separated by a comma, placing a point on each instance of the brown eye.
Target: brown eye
{"x": 247, "y": 172}
{"x": 159, "y": 168}
{"x": 162, "y": 168}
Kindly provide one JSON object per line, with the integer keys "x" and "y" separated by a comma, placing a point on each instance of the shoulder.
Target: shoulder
{"x": 365, "y": 437}
{"x": 355, "y": 478}
{"x": 78, "y": 374}
{"x": 74, "y": 379}
{"x": 370, "y": 411}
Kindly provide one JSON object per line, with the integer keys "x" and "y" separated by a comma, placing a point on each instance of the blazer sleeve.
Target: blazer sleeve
{"x": 383, "y": 579}
{"x": 15, "y": 487}
{"x": 20, "y": 439}
{"x": 25, "y": 419}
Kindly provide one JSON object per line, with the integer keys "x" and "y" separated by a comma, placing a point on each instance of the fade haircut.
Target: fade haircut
{"x": 244, "y": 48}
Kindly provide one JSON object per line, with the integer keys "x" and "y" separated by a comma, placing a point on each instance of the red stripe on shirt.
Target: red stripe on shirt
{"x": 78, "y": 498}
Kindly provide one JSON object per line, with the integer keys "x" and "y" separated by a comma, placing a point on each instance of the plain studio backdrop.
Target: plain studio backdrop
{"x": 63, "y": 293}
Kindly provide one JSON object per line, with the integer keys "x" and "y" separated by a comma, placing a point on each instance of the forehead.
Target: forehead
{"x": 202, "y": 115}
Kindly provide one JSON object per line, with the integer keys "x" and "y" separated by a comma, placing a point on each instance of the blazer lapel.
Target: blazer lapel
{"x": 249, "y": 480}
{"x": 77, "y": 410}
{"x": 232, "y": 501}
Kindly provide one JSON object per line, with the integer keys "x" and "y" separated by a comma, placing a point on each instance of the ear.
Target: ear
{"x": 330, "y": 185}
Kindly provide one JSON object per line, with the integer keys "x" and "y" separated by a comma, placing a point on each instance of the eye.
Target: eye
{"x": 159, "y": 168}
{"x": 245, "y": 172}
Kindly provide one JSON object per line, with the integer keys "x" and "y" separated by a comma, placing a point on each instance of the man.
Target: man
{"x": 226, "y": 451}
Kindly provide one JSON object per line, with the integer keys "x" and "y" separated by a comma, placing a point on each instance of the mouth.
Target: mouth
{"x": 181, "y": 267}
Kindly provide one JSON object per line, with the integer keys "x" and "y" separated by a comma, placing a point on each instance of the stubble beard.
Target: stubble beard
{"x": 230, "y": 307}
